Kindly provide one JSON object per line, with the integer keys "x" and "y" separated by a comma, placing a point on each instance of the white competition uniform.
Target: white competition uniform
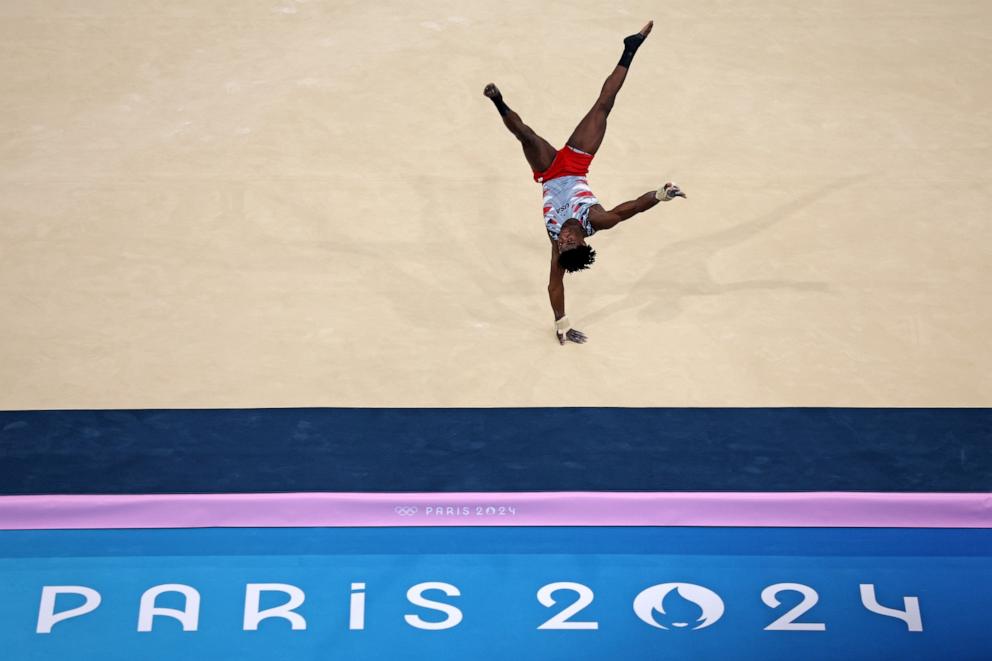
{"x": 565, "y": 198}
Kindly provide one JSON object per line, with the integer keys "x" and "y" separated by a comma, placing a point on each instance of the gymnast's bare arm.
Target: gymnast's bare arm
{"x": 601, "y": 219}
{"x": 556, "y": 292}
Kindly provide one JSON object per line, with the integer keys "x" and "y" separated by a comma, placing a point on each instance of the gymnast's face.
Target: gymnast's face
{"x": 571, "y": 236}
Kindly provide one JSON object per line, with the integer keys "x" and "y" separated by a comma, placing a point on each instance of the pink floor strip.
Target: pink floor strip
{"x": 282, "y": 510}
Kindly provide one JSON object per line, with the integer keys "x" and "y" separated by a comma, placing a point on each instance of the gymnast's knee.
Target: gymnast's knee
{"x": 604, "y": 105}
{"x": 526, "y": 135}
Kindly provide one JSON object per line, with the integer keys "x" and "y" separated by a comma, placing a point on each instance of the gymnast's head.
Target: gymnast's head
{"x": 574, "y": 254}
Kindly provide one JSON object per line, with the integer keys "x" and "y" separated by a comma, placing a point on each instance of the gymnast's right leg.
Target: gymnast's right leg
{"x": 588, "y": 135}
{"x": 538, "y": 151}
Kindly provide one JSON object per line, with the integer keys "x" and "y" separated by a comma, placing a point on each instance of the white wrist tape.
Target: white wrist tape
{"x": 662, "y": 193}
{"x": 563, "y": 325}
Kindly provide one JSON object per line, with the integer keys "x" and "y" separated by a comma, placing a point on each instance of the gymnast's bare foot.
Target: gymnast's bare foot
{"x": 634, "y": 41}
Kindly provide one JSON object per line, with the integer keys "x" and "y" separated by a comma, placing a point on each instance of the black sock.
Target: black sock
{"x": 630, "y": 46}
{"x": 500, "y": 106}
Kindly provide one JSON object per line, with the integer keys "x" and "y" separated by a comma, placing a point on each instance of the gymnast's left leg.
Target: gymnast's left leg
{"x": 538, "y": 151}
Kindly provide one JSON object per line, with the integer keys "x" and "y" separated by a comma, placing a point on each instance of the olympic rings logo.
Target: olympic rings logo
{"x": 405, "y": 510}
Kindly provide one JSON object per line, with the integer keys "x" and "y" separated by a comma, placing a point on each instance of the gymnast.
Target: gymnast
{"x": 571, "y": 210}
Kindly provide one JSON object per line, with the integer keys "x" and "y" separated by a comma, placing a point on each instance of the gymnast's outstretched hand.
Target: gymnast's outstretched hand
{"x": 669, "y": 192}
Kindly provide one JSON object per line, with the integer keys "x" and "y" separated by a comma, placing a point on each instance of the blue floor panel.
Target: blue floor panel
{"x": 497, "y": 574}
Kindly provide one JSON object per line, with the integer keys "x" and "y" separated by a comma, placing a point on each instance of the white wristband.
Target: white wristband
{"x": 662, "y": 194}
{"x": 562, "y": 326}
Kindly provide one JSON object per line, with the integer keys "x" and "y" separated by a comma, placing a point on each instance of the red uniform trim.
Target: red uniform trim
{"x": 569, "y": 162}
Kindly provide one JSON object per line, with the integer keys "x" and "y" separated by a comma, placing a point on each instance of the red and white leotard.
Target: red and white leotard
{"x": 566, "y": 191}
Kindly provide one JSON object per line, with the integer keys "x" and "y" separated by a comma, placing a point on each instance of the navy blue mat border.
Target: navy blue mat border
{"x": 495, "y": 449}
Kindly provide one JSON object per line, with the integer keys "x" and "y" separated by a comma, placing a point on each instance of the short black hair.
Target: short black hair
{"x": 577, "y": 259}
